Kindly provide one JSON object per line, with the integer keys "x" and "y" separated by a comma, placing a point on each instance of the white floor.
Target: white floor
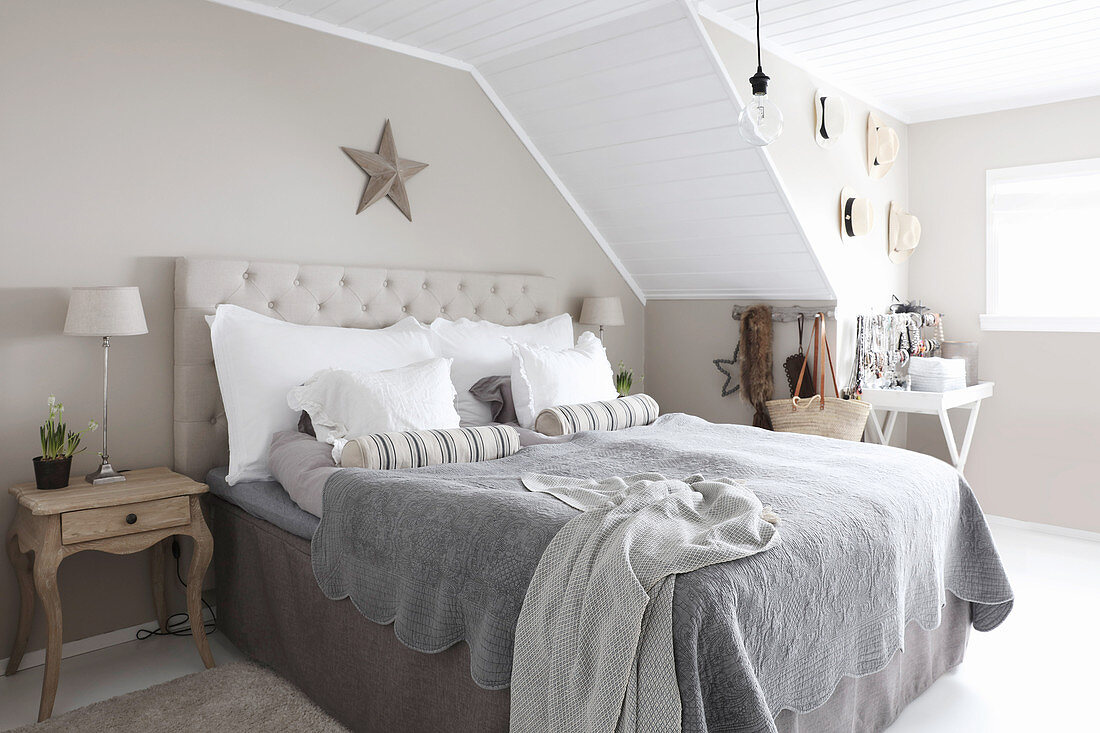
{"x": 1037, "y": 672}
{"x": 98, "y": 675}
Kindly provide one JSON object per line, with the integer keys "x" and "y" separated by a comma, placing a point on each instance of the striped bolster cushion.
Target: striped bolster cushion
{"x": 625, "y": 412}
{"x": 416, "y": 448}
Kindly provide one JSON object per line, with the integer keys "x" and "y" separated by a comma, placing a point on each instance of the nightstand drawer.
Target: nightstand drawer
{"x": 112, "y": 521}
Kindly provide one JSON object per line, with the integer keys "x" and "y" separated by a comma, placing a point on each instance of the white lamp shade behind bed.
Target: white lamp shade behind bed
{"x": 604, "y": 311}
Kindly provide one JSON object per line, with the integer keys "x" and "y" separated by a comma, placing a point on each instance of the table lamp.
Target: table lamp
{"x": 605, "y": 311}
{"x": 105, "y": 312}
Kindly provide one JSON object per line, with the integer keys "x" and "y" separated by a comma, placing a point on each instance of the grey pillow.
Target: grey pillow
{"x": 302, "y": 465}
{"x": 496, "y": 392}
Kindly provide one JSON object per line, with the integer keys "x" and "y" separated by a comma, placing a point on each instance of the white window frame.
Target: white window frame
{"x": 993, "y": 321}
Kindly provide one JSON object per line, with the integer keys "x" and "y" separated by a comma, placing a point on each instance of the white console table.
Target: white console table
{"x": 892, "y": 402}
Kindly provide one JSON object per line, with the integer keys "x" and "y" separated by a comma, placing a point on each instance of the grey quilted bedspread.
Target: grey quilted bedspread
{"x": 873, "y": 538}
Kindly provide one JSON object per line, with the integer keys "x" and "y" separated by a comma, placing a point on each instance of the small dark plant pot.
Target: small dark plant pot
{"x": 52, "y": 474}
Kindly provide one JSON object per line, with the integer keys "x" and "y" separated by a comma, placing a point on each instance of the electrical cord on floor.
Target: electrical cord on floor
{"x": 179, "y": 624}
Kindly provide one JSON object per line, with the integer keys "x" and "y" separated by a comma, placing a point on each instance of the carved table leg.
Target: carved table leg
{"x": 22, "y": 564}
{"x": 200, "y": 561}
{"x": 45, "y": 580}
{"x": 157, "y": 559}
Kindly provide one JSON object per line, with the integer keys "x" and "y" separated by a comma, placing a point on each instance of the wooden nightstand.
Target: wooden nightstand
{"x": 152, "y": 505}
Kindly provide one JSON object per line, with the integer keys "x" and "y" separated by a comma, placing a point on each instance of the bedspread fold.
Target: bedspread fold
{"x": 594, "y": 647}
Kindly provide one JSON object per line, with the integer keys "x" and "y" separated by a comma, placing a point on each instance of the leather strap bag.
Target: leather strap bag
{"x": 794, "y": 364}
{"x": 829, "y": 417}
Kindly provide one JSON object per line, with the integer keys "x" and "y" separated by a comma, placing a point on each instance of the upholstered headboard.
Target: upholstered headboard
{"x": 329, "y": 295}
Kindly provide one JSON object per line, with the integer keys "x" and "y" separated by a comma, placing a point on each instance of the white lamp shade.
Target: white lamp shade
{"x": 110, "y": 311}
{"x": 606, "y": 311}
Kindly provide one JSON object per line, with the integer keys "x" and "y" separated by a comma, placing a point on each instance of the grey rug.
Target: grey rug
{"x": 237, "y": 697}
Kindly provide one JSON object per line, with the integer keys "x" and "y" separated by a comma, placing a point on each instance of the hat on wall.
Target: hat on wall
{"x": 832, "y": 118}
{"x": 882, "y": 147}
{"x": 857, "y": 217}
{"x": 902, "y": 234}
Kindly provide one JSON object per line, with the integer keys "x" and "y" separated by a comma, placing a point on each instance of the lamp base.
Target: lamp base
{"x": 105, "y": 474}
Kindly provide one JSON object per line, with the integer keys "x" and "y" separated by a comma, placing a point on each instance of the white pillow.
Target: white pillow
{"x": 546, "y": 377}
{"x": 344, "y": 405}
{"x": 259, "y": 359}
{"x": 480, "y": 349}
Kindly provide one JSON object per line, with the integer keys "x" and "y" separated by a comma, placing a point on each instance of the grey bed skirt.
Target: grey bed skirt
{"x": 270, "y": 607}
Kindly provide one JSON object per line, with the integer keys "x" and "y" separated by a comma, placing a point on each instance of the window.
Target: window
{"x": 1043, "y": 247}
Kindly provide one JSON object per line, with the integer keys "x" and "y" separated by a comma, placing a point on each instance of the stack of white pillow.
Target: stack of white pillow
{"x": 354, "y": 382}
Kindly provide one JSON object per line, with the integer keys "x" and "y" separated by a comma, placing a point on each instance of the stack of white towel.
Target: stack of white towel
{"x": 933, "y": 374}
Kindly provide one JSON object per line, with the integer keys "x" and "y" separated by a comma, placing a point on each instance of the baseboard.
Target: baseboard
{"x": 1054, "y": 529}
{"x": 82, "y": 646}
{"x": 89, "y": 644}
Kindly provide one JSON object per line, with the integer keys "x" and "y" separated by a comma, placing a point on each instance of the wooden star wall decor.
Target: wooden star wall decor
{"x": 387, "y": 173}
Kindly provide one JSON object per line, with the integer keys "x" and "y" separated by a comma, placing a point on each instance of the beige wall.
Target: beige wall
{"x": 135, "y": 131}
{"x": 1034, "y": 455}
{"x": 683, "y": 337}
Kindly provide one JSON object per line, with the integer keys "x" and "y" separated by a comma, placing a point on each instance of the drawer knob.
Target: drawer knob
{"x": 131, "y": 518}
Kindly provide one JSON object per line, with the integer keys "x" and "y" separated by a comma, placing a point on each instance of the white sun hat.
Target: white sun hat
{"x": 882, "y": 147}
{"x": 832, "y": 118}
{"x": 857, "y": 216}
{"x": 902, "y": 234}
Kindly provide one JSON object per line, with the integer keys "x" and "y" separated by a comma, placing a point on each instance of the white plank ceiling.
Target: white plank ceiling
{"x": 931, "y": 59}
{"x": 626, "y": 102}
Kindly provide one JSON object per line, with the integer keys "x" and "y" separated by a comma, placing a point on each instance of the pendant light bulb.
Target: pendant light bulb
{"x": 760, "y": 121}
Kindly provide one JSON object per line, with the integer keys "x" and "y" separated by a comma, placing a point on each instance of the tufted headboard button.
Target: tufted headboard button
{"x": 245, "y": 276}
{"x": 270, "y": 304}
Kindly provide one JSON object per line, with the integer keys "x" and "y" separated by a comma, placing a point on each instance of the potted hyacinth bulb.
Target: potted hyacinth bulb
{"x": 624, "y": 380}
{"x": 59, "y": 445}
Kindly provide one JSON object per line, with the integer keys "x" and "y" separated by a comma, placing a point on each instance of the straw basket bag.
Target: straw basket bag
{"x": 830, "y": 417}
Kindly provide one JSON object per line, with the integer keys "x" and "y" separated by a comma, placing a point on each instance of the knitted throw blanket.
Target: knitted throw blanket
{"x": 594, "y": 644}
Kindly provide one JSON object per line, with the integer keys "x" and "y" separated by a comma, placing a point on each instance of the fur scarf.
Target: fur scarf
{"x": 757, "y": 382}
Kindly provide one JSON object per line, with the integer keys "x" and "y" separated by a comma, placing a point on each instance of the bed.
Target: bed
{"x": 269, "y": 601}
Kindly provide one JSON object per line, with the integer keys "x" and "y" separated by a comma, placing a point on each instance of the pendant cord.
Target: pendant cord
{"x": 759, "y": 64}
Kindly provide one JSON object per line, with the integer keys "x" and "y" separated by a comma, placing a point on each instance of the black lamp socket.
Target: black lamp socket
{"x": 759, "y": 82}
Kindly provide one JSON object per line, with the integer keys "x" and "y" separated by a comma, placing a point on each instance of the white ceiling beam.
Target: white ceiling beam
{"x": 308, "y": 21}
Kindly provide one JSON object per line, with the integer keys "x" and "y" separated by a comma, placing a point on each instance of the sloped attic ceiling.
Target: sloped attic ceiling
{"x": 627, "y": 107}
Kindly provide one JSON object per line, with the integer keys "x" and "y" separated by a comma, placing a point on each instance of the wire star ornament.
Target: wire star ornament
{"x": 726, "y": 367}
{"x": 387, "y": 173}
